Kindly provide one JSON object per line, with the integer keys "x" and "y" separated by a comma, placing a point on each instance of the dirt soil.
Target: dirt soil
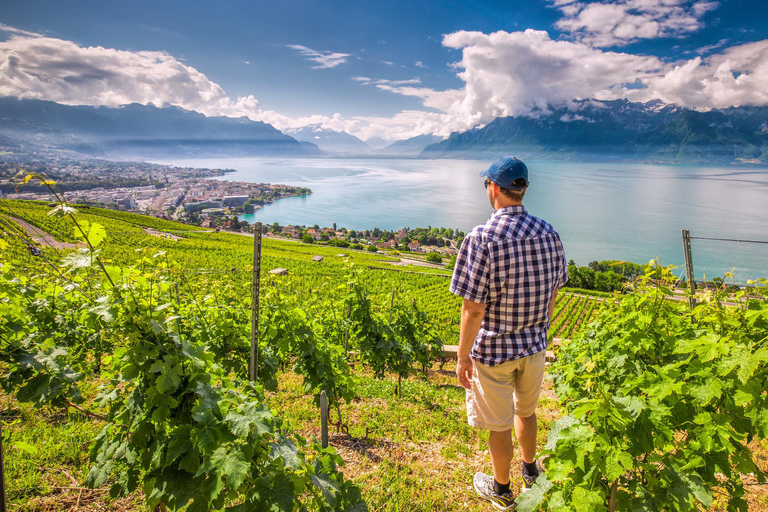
{"x": 161, "y": 234}
{"x": 44, "y": 238}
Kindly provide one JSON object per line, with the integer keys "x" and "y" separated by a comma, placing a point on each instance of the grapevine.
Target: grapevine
{"x": 660, "y": 403}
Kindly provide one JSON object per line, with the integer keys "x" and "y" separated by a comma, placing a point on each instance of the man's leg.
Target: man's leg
{"x": 525, "y": 431}
{"x": 502, "y": 451}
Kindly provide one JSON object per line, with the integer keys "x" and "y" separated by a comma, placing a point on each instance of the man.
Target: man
{"x": 508, "y": 271}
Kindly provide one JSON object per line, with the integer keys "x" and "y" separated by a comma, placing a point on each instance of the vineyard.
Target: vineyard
{"x": 229, "y": 256}
{"x": 125, "y": 371}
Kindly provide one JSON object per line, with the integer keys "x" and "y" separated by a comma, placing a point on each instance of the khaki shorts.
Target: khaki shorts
{"x": 499, "y": 392}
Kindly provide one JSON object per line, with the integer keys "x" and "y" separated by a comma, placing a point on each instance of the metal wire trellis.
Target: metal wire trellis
{"x": 729, "y": 240}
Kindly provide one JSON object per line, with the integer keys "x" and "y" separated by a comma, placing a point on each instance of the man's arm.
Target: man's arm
{"x": 471, "y": 318}
{"x": 552, "y": 304}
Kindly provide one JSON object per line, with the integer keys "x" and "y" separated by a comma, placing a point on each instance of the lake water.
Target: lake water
{"x": 603, "y": 211}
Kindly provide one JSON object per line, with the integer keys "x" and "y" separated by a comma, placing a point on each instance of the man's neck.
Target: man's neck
{"x": 498, "y": 205}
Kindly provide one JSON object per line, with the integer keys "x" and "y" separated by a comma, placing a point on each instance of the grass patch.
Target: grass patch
{"x": 412, "y": 453}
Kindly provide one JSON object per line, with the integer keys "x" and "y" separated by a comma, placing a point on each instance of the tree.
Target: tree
{"x": 434, "y": 257}
{"x": 352, "y": 233}
{"x": 308, "y": 239}
{"x": 337, "y": 242}
{"x": 334, "y": 226}
{"x": 276, "y": 228}
{"x": 372, "y": 248}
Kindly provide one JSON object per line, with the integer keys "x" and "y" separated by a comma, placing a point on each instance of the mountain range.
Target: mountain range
{"x": 342, "y": 143}
{"x": 585, "y": 130}
{"x": 330, "y": 140}
{"x": 619, "y": 130}
{"x": 141, "y": 131}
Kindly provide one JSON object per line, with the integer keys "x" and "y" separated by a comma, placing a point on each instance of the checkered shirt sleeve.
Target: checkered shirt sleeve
{"x": 471, "y": 271}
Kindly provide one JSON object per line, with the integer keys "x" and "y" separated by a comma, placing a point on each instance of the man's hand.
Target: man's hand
{"x": 464, "y": 372}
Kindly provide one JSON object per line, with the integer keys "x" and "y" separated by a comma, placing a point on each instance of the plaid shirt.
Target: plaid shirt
{"x": 513, "y": 263}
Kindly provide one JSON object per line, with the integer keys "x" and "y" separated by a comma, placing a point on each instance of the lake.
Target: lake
{"x": 603, "y": 211}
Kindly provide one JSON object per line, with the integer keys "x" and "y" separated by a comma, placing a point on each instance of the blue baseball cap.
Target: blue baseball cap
{"x": 505, "y": 171}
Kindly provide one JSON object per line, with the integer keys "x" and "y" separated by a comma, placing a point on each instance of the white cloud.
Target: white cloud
{"x": 381, "y": 81}
{"x": 420, "y": 64}
{"x": 709, "y": 48}
{"x": 511, "y": 74}
{"x": 735, "y": 77}
{"x": 324, "y": 59}
{"x": 14, "y": 30}
{"x": 619, "y": 22}
{"x": 569, "y": 118}
{"x": 53, "y": 69}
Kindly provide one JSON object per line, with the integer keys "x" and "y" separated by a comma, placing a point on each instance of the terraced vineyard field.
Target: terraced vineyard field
{"x": 229, "y": 256}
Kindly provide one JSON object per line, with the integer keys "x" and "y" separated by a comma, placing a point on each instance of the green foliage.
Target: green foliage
{"x": 571, "y": 313}
{"x": 338, "y": 242}
{"x": 434, "y": 257}
{"x": 307, "y": 331}
{"x": 605, "y": 276}
{"x": 185, "y": 430}
{"x": 392, "y": 343}
{"x": 180, "y": 422}
{"x": 591, "y": 293}
{"x": 661, "y": 404}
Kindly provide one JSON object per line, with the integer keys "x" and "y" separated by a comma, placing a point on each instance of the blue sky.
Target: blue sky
{"x": 390, "y": 69}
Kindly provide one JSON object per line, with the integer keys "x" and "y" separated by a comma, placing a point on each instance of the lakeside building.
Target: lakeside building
{"x": 414, "y": 246}
{"x": 202, "y": 205}
{"x": 211, "y": 212}
{"x": 235, "y": 200}
{"x": 129, "y": 202}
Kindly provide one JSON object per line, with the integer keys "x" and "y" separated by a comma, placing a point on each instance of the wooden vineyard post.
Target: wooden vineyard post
{"x": 689, "y": 268}
{"x": 2, "y": 473}
{"x": 346, "y": 331}
{"x": 324, "y": 418}
{"x": 391, "y": 306}
{"x": 253, "y": 372}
